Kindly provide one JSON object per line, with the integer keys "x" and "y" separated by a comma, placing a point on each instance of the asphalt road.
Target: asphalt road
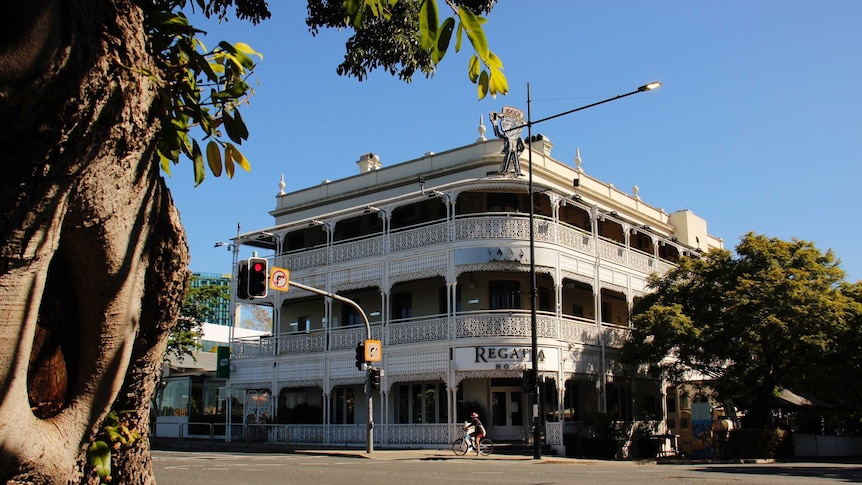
{"x": 441, "y": 467}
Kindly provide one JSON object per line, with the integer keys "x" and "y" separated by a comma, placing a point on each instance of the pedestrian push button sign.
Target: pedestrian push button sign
{"x": 373, "y": 351}
{"x": 279, "y": 279}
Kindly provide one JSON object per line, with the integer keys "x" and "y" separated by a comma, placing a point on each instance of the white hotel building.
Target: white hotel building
{"x": 436, "y": 252}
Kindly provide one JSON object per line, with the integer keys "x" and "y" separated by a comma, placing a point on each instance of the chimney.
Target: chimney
{"x": 368, "y": 162}
{"x": 542, "y": 144}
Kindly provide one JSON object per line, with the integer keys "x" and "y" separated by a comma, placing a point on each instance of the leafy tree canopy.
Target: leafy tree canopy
{"x": 203, "y": 89}
{"x": 769, "y": 317}
{"x": 198, "y": 307}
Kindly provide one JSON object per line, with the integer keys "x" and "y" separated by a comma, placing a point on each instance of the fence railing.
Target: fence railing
{"x": 479, "y": 324}
{"x": 471, "y": 227}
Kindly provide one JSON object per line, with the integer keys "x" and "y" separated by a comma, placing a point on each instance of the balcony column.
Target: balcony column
{"x": 556, "y": 200}
{"x": 450, "y": 214}
{"x": 327, "y": 330}
{"x": 627, "y": 232}
{"x": 601, "y": 384}
{"x": 385, "y": 314}
{"x": 386, "y": 217}
{"x": 276, "y": 323}
{"x": 629, "y": 306}
{"x": 451, "y": 306}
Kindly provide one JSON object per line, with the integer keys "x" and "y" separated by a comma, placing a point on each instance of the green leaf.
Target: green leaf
{"x": 246, "y": 49}
{"x": 473, "y": 27}
{"x": 474, "y": 69}
{"x": 443, "y": 39}
{"x": 493, "y": 61}
{"x": 230, "y": 127}
{"x": 233, "y": 153}
{"x": 242, "y": 130}
{"x": 428, "y": 22}
{"x": 214, "y": 157}
{"x": 483, "y": 85}
{"x": 99, "y": 456}
{"x": 198, "y": 159}
{"x": 235, "y": 126}
{"x": 165, "y": 163}
{"x": 228, "y": 161}
{"x": 241, "y": 61}
{"x": 498, "y": 83}
{"x": 458, "y": 38}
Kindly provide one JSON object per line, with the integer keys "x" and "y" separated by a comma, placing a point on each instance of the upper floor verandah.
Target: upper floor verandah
{"x": 477, "y": 215}
{"x": 466, "y": 326}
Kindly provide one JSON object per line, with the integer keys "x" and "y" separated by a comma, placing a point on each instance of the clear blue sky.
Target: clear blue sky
{"x": 757, "y": 127}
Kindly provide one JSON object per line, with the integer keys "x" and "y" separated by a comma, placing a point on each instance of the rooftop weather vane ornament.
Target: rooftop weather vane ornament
{"x": 508, "y": 126}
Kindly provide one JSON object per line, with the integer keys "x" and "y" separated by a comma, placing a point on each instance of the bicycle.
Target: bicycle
{"x": 464, "y": 444}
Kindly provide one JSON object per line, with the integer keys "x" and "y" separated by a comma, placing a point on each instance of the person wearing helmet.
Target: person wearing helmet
{"x": 475, "y": 430}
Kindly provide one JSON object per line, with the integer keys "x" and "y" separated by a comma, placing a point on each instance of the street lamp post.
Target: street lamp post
{"x": 233, "y": 307}
{"x": 534, "y": 381}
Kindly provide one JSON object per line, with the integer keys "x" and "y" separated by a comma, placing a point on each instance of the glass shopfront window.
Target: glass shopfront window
{"x": 175, "y": 397}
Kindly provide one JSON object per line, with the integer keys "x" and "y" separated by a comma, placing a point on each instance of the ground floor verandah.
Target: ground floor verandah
{"x": 429, "y": 413}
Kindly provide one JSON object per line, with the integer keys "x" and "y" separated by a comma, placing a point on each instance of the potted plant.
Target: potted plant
{"x": 644, "y": 439}
{"x": 602, "y": 440}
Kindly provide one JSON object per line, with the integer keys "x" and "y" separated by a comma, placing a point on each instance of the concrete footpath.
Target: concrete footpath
{"x": 394, "y": 454}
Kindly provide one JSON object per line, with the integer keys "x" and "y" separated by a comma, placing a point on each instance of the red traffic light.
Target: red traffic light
{"x": 258, "y": 277}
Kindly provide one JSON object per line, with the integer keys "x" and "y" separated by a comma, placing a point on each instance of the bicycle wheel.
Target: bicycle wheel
{"x": 486, "y": 447}
{"x": 459, "y": 446}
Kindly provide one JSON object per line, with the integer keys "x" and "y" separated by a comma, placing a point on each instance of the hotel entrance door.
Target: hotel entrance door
{"x": 507, "y": 414}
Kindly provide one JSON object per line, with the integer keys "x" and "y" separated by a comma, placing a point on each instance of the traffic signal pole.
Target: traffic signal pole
{"x": 369, "y": 445}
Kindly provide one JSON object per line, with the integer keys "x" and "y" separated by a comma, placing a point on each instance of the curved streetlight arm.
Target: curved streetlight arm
{"x": 645, "y": 87}
{"x": 339, "y": 298}
{"x": 369, "y": 429}
{"x": 534, "y": 345}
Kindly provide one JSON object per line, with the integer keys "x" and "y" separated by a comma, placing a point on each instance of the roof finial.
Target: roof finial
{"x": 578, "y": 160}
{"x": 482, "y": 128}
{"x": 281, "y": 185}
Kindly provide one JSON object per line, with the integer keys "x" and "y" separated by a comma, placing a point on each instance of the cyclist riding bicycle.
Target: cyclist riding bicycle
{"x": 475, "y": 430}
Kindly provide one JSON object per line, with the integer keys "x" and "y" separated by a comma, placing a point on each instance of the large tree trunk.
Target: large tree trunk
{"x": 93, "y": 256}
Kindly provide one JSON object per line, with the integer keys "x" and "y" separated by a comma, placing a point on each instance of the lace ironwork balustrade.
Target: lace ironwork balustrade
{"x": 575, "y": 238}
{"x": 641, "y": 261}
{"x": 497, "y": 227}
{"x": 404, "y": 240}
{"x": 504, "y": 325}
{"x": 357, "y": 249}
{"x": 252, "y": 347}
{"x": 614, "y": 336}
{"x": 611, "y": 251}
{"x": 348, "y": 337}
{"x": 417, "y": 331}
{"x": 663, "y": 267}
{"x": 345, "y": 434}
{"x": 306, "y": 434}
{"x": 578, "y": 331}
{"x": 426, "y": 434}
{"x": 289, "y": 343}
{"x": 309, "y": 258}
{"x": 554, "y": 433}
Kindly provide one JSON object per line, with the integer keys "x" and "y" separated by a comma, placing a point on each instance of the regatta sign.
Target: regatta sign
{"x": 503, "y": 358}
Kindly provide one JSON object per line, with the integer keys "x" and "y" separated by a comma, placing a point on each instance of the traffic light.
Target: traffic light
{"x": 242, "y": 281}
{"x": 360, "y": 355}
{"x": 258, "y": 277}
{"x": 375, "y": 378}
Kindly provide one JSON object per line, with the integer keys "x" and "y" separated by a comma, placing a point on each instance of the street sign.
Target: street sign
{"x": 279, "y": 279}
{"x": 373, "y": 351}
